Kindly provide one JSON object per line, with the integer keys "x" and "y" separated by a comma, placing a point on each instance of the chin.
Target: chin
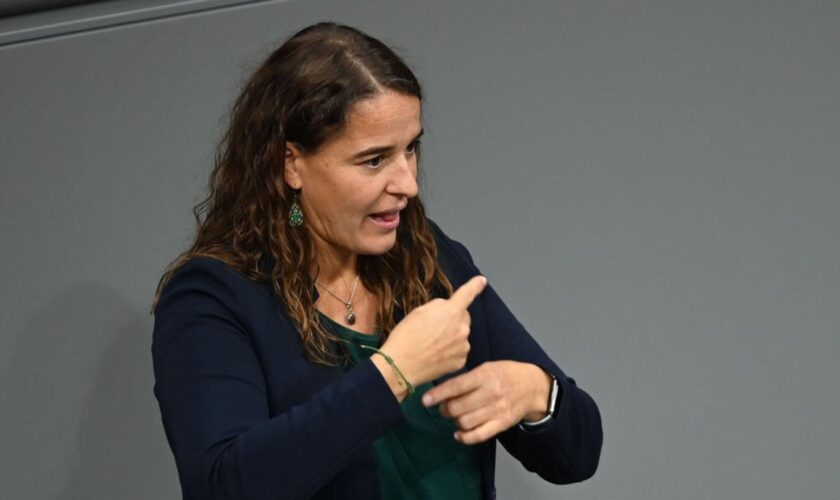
{"x": 380, "y": 247}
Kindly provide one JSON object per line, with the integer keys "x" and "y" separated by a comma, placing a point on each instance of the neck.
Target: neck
{"x": 333, "y": 264}
{"x": 327, "y": 271}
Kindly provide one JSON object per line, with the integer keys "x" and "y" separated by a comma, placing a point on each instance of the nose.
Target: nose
{"x": 403, "y": 181}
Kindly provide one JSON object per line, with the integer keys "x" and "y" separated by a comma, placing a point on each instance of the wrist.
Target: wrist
{"x": 390, "y": 376}
{"x": 406, "y": 364}
{"x": 539, "y": 401}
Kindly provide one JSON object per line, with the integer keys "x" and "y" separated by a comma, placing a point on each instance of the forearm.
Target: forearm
{"x": 234, "y": 457}
{"x": 568, "y": 449}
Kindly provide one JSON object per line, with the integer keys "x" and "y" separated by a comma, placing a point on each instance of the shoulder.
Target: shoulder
{"x": 210, "y": 274}
{"x": 208, "y": 282}
{"x": 207, "y": 303}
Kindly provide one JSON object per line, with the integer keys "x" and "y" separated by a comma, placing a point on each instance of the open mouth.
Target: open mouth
{"x": 386, "y": 220}
{"x": 386, "y": 216}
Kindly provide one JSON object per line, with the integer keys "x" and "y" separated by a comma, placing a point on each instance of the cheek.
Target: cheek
{"x": 345, "y": 199}
{"x": 349, "y": 207}
{"x": 333, "y": 196}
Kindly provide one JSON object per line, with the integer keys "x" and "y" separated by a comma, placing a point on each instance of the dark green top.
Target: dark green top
{"x": 419, "y": 458}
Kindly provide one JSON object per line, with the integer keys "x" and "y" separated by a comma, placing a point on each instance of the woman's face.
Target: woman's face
{"x": 354, "y": 186}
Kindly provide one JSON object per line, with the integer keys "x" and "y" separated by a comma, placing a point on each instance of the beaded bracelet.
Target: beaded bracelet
{"x": 400, "y": 377}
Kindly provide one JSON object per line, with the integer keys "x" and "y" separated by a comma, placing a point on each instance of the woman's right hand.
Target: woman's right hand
{"x": 432, "y": 340}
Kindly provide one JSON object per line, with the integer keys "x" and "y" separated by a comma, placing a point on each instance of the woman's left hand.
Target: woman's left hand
{"x": 491, "y": 398}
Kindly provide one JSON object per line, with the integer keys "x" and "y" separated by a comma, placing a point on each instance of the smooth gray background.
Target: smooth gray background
{"x": 651, "y": 186}
{"x": 19, "y": 7}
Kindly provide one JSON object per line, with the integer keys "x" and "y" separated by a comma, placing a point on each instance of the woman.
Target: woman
{"x": 322, "y": 338}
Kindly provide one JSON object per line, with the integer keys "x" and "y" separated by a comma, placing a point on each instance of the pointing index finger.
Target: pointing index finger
{"x": 465, "y": 295}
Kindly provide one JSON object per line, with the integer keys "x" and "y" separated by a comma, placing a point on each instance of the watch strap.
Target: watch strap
{"x": 552, "y": 401}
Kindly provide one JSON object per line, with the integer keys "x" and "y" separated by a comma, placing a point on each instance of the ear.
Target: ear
{"x": 293, "y": 166}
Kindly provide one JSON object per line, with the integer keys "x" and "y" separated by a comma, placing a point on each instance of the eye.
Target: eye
{"x": 413, "y": 147}
{"x": 374, "y": 162}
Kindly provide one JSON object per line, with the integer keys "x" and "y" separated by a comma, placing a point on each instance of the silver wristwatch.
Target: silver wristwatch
{"x": 552, "y": 401}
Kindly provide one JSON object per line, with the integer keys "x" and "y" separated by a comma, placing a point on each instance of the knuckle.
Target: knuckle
{"x": 451, "y": 409}
{"x": 496, "y": 387}
{"x": 509, "y": 416}
{"x": 501, "y": 407}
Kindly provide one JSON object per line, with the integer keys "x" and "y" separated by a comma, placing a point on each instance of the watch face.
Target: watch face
{"x": 552, "y": 400}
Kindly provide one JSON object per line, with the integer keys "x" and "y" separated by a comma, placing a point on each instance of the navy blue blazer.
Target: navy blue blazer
{"x": 248, "y": 418}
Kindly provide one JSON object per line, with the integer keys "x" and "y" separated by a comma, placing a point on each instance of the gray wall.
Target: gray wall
{"x": 651, "y": 186}
{"x": 19, "y": 7}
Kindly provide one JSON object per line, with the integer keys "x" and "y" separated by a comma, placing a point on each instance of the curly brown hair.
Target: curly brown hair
{"x": 302, "y": 94}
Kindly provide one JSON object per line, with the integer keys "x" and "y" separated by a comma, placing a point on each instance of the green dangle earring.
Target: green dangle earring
{"x": 295, "y": 214}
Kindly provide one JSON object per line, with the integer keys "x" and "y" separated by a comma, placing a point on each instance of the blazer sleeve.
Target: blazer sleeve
{"x": 214, "y": 403}
{"x": 567, "y": 449}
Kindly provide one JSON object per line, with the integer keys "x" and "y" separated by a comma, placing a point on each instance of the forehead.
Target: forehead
{"x": 387, "y": 116}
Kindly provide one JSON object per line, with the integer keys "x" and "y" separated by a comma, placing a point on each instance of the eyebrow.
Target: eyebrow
{"x": 379, "y": 149}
